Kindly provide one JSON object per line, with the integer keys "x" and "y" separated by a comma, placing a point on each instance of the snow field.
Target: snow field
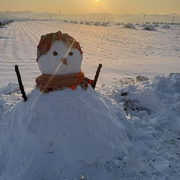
{"x": 123, "y": 52}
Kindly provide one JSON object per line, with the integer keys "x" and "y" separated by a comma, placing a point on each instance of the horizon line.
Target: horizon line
{"x": 94, "y": 13}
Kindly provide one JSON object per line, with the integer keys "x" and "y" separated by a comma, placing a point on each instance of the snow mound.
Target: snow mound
{"x": 166, "y": 26}
{"x": 9, "y": 89}
{"x": 9, "y": 96}
{"x": 59, "y": 129}
{"x": 141, "y": 78}
{"x": 105, "y": 24}
{"x": 137, "y": 24}
{"x": 97, "y": 23}
{"x": 150, "y": 95}
{"x": 142, "y": 25}
{"x": 88, "y": 23}
{"x": 149, "y": 28}
{"x": 83, "y": 135}
{"x": 156, "y": 25}
{"x": 129, "y": 26}
{"x": 154, "y": 108}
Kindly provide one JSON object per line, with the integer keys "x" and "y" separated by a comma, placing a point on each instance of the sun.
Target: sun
{"x": 97, "y": 0}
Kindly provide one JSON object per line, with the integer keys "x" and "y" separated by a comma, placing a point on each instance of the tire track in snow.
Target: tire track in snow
{"x": 7, "y": 57}
{"x": 28, "y": 54}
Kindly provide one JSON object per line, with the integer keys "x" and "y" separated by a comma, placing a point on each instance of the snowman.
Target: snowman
{"x": 66, "y": 130}
{"x": 59, "y": 57}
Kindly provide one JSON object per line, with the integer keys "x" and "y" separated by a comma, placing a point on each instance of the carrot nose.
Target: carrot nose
{"x": 63, "y": 60}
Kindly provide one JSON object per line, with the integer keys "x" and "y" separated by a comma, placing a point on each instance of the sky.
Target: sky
{"x": 93, "y": 6}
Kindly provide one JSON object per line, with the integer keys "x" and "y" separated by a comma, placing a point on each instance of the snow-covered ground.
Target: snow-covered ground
{"x": 145, "y": 110}
{"x": 123, "y": 52}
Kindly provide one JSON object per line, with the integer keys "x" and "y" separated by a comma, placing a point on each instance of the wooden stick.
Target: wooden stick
{"x": 96, "y": 76}
{"x": 21, "y": 87}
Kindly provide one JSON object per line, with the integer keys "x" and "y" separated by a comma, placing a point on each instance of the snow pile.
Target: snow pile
{"x": 88, "y": 23}
{"x": 142, "y": 25}
{"x": 9, "y": 96}
{"x": 149, "y": 97}
{"x": 149, "y": 28}
{"x": 60, "y": 130}
{"x": 154, "y": 108}
{"x": 97, "y": 23}
{"x": 166, "y": 26}
{"x": 129, "y": 26}
{"x": 83, "y": 135}
{"x": 105, "y": 24}
{"x": 156, "y": 25}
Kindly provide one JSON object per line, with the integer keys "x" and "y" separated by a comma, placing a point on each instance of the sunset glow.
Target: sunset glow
{"x": 93, "y": 6}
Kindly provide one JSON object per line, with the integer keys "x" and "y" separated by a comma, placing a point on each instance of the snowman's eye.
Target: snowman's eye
{"x": 55, "y": 53}
{"x": 70, "y": 53}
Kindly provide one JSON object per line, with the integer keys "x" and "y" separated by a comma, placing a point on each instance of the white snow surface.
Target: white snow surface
{"x": 127, "y": 129}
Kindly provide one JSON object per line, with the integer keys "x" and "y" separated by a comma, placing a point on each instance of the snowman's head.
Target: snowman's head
{"x": 59, "y": 54}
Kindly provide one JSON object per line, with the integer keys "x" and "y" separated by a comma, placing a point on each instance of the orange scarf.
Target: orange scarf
{"x": 47, "y": 83}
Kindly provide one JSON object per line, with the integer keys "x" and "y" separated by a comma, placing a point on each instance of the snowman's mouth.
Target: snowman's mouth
{"x": 64, "y": 61}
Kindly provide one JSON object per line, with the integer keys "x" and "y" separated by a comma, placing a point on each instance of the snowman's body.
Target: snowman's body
{"x": 52, "y": 62}
{"x": 65, "y": 130}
